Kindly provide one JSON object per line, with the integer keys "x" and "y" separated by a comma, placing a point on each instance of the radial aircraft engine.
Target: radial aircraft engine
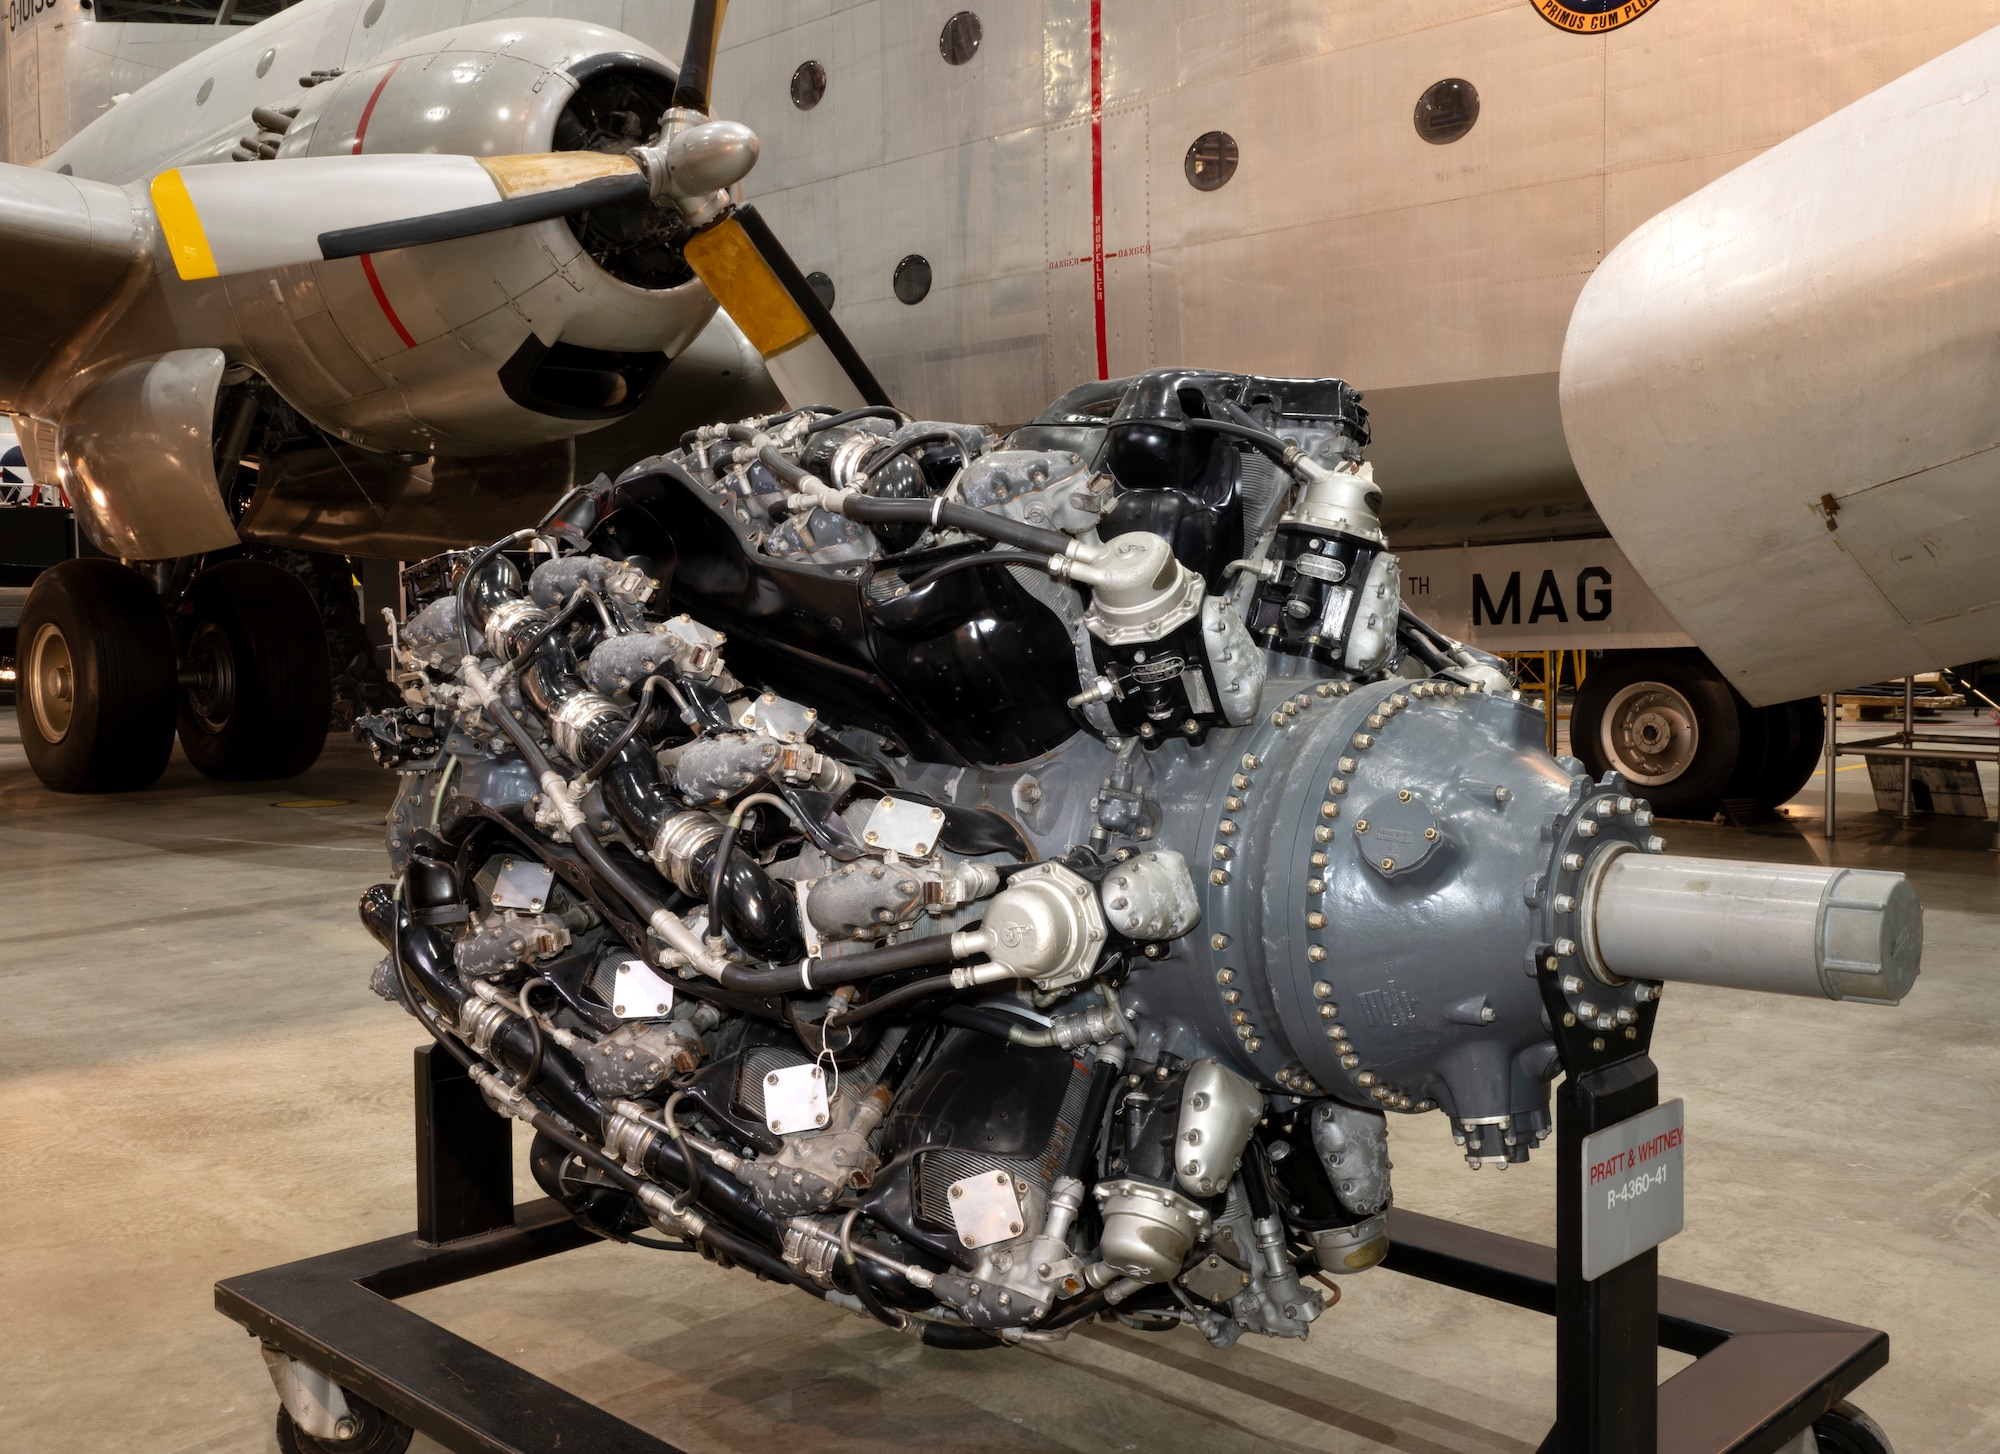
{"x": 984, "y": 882}
{"x": 371, "y": 321}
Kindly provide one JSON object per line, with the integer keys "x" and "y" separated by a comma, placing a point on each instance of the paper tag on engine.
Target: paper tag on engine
{"x": 985, "y": 1209}
{"x": 637, "y": 993}
{"x": 794, "y": 1099}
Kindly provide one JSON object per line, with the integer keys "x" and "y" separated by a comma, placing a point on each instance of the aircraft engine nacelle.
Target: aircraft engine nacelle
{"x": 1779, "y": 393}
{"x": 533, "y": 334}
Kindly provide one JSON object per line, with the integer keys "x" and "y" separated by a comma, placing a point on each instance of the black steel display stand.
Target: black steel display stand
{"x": 1761, "y": 1375}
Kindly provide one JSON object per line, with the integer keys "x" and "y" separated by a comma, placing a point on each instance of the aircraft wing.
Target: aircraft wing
{"x": 67, "y": 248}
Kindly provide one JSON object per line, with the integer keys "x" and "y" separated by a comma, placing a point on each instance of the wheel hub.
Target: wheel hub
{"x": 1651, "y": 733}
{"x": 209, "y": 676}
{"x": 51, "y": 683}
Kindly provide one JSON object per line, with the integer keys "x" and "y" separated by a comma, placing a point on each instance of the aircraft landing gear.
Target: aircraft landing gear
{"x": 1685, "y": 739}
{"x": 101, "y": 700}
{"x": 256, "y": 690}
{"x": 1667, "y": 721}
{"x": 96, "y": 688}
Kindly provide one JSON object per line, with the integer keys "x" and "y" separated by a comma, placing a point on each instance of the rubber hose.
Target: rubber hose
{"x": 863, "y": 1288}
{"x": 784, "y": 469}
{"x": 627, "y": 733}
{"x": 932, "y": 949}
{"x": 1263, "y": 440}
{"x": 472, "y": 573}
{"x": 1081, "y": 1162}
{"x": 669, "y": 1161}
{"x": 866, "y": 411}
{"x": 984, "y": 523}
{"x": 890, "y": 448}
{"x": 426, "y": 953}
{"x": 950, "y": 1335}
{"x": 993, "y": 557}
{"x": 894, "y": 999}
{"x": 1257, "y": 1182}
{"x": 1076, "y": 1312}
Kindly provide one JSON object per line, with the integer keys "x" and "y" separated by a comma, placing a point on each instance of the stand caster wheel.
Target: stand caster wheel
{"x": 1844, "y": 1429}
{"x": 376, "y": 1433}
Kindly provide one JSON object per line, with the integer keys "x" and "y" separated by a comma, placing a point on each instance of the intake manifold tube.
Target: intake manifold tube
{"x": 1787, "y": 929}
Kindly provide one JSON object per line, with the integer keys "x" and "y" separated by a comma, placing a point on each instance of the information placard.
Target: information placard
{"x": 1633, "y": 1187}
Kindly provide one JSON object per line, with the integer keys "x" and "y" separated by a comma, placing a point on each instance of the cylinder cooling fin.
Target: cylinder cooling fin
{"x": 619, "y": 102}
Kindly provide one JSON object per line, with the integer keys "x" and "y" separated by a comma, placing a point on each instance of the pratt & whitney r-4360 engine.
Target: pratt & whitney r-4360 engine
{"x": 987, "y": 882}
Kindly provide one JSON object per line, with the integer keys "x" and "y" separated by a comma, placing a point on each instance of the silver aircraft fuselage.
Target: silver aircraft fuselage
{"x": 1045, "y": 182}
{"x": 1044, "y": 186}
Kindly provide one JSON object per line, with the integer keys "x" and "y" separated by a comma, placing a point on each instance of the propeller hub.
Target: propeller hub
{"x": 692, "y": 162}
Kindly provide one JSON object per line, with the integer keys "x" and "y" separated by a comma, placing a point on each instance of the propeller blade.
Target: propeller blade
{"x": 755, "y": 280}
{"x": 698, "y": 64}
{"x": 219, "y": 220}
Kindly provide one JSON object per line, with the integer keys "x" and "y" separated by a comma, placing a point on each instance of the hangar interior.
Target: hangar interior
{"x": 202, "y": 1084}
{"x": 522, "y": 718}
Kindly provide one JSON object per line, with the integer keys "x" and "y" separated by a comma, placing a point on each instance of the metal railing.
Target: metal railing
{"x": 1906, "y": 743}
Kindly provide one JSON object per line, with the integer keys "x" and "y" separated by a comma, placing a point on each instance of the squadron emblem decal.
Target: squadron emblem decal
{"x": 1587, "y": 17}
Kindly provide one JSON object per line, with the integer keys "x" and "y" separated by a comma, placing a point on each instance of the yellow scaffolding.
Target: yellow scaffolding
{"x": 1550, "y": 673}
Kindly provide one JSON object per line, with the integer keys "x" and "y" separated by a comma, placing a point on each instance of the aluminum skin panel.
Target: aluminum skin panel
{"x": 69, "y": 249}
{"x": 137, "y": 457}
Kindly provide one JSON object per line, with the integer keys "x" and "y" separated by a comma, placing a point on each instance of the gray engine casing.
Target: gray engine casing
{"x": 1406, "y": 988}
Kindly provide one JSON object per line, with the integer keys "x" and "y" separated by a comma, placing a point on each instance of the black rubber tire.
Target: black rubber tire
{"x": 1692, "y": 792}
{"x": 1844, "y": 1429}
{"x": 116, "y": 730}
{"x": 1798, "y": 743}
{"x": 264, "y": 693}
{"x": 379, "y": 1434}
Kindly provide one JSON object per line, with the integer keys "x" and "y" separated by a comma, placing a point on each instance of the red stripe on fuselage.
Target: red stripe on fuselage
{"x": 375, "y": 283}
{"x": 1097, "y": 180}
{"x": 367, "y": 262}
{"x": 361, "y": 126}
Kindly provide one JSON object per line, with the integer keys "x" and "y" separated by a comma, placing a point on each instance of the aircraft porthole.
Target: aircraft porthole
{"x": 264, "y": 61}
{"x": 1447, "y": 111}
{"x": 959, "y": 41}
{"x": 1211, "y": 161}
{"x": 808, "y": 85}
{"x": 822, "y": 287}
{"x": 207, "y": 90}
{"x": 913, "y": 279}
{"x": 373, "y": 14}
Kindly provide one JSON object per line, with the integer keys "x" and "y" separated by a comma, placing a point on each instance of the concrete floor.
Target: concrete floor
{"x": 197, "y": 1083}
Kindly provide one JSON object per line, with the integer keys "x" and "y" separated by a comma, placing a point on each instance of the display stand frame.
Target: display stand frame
{"x": 1762, "y": 1373}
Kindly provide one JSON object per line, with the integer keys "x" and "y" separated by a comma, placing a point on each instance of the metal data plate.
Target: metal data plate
{"x": 638, "y": 993}
{"x": 775, "y": 717}
{"x": 985, "y": 1209}
{"x": 1214, "y": 1279}
{"x": 1634, "y": 1190}
{"x": 903, "y": 827}
{"x": 523, "y": 884}
{"x": 795, "y": 1099}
